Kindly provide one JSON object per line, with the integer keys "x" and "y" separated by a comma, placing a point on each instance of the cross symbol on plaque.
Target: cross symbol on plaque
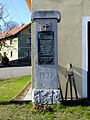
{"x": 46, "y": 26}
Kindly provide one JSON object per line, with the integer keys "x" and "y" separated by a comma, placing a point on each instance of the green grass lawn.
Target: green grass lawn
{"x": 24, "y": 111}
{"x": 10, "y": 87}
{"x": 59, "y": 112}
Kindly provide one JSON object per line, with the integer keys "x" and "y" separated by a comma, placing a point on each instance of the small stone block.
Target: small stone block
{"x": 46, "y": 96}
{"x": 36, "y": 96}
{"x": 56, "y": 96}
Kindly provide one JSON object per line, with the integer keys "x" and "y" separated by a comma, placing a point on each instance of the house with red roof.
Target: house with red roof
{"x": 16, "y": 45}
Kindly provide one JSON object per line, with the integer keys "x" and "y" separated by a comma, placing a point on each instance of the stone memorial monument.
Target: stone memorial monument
{"x": 45, "y": 57}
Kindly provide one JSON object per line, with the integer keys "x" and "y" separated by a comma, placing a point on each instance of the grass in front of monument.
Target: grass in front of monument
{"x": 59, "y": 112}
{"x": 24, "y": 111}
{"x": 10, "y": 87}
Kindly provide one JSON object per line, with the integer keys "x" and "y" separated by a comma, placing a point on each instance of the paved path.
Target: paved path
{"x": 11, "y": 72}
{"x": 28, "y": 96}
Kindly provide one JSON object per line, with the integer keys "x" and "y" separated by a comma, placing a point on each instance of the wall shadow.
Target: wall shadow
{"x": 14, "y": 102}
{"x": 80, "y": 102}
{"x": 77, "y": 75}
{"x": 62, "y": 70}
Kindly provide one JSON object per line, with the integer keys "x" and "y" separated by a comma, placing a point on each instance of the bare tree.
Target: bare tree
{"x": 10, "y": 25}
{"x": 3, "y": 12}
{"x": 6, "y": 26}
{"x": 0, "y": 29}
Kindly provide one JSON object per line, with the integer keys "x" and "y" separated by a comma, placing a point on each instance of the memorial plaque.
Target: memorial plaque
{"x": 45, "y": 47}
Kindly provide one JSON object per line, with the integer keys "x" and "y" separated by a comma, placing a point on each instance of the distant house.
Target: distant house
{"x": 16, "y": 44}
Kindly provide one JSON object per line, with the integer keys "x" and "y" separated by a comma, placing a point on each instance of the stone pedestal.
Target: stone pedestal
{"x": 45, "y": 57}
{"x": 44, "y": 96}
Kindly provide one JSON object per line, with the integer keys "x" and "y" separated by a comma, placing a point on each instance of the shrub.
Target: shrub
{"x": 5, "y": 60}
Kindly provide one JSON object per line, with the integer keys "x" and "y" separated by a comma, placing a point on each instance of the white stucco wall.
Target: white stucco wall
{"x": 70, "y": 38}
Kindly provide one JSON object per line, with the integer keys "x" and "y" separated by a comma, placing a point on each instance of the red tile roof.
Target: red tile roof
{"x": 13, "y": 31}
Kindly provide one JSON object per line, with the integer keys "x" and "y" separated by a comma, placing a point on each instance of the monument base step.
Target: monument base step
{"x": 44, "y": 96}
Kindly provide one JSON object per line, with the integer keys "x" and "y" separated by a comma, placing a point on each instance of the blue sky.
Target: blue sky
{"x": 18, "y": 11}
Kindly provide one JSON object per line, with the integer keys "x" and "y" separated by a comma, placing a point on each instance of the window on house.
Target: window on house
{"x": 0, "y": 57}
{"x": 0, "y": 47}
{"x": 4, "y": 53}
{"x": 27, "y": 53}
{"x": 10, "y": 41}
{"x": 11, "y": 53}
{"x": 29, "y": 30}
{"x": 4, "y": 43}
{"x": 28, "y": 40}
